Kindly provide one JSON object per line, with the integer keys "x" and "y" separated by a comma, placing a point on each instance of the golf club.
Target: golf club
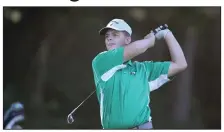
{"x": 162, "y": 27}
{"x": 70, "y": 118}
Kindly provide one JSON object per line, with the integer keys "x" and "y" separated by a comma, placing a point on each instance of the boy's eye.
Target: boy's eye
{"x": 116, "y": 34}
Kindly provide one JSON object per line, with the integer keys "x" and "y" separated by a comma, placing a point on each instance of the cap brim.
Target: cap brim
{"x": 105, "y": 29}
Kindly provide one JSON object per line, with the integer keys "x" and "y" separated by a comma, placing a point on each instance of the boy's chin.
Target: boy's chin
{"x": 113, "y": 47}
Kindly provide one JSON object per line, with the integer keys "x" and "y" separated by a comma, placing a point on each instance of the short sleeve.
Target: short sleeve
{"x": 156, "y": 69}
{"x": 157, "y": 73}
{"x": 107, "y": 60}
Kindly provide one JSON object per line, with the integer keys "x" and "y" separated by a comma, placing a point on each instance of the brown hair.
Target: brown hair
{"x": 126, "y": 34}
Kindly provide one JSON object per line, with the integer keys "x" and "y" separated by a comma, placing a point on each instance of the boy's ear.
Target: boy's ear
{"x": 128, "y": 40}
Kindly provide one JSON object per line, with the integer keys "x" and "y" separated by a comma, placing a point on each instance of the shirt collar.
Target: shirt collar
{"x": 128, "y": 63}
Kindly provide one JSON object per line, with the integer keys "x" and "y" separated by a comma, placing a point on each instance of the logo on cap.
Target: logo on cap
{"x": 113, "y": 22}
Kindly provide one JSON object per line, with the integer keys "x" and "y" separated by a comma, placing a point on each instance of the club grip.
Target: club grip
{"x": 161, "y": 27}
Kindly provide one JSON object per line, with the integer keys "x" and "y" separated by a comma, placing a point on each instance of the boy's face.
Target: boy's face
{"x": 115, "y": 39}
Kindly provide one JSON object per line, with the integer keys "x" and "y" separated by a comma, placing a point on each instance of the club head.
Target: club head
{"x": 70, "y": 119}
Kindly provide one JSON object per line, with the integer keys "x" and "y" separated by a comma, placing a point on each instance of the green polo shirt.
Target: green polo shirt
{"x": 123, "y": 89}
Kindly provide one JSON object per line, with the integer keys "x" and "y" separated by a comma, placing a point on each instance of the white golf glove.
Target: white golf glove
{"x": 161, "y": 31}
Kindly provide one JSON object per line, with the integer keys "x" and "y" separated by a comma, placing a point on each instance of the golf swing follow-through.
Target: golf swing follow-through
{"x": 70, "y": 117}
{"x": 123, "y": 87}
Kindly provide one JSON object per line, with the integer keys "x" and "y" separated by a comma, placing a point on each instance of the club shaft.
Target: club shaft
{"x": 82, "y": 102}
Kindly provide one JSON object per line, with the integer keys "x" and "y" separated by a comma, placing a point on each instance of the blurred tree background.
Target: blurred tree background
{"x": 47, "y": 55}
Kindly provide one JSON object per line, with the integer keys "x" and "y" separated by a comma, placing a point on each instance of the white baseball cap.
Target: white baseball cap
{"x": 116, "y": 24}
